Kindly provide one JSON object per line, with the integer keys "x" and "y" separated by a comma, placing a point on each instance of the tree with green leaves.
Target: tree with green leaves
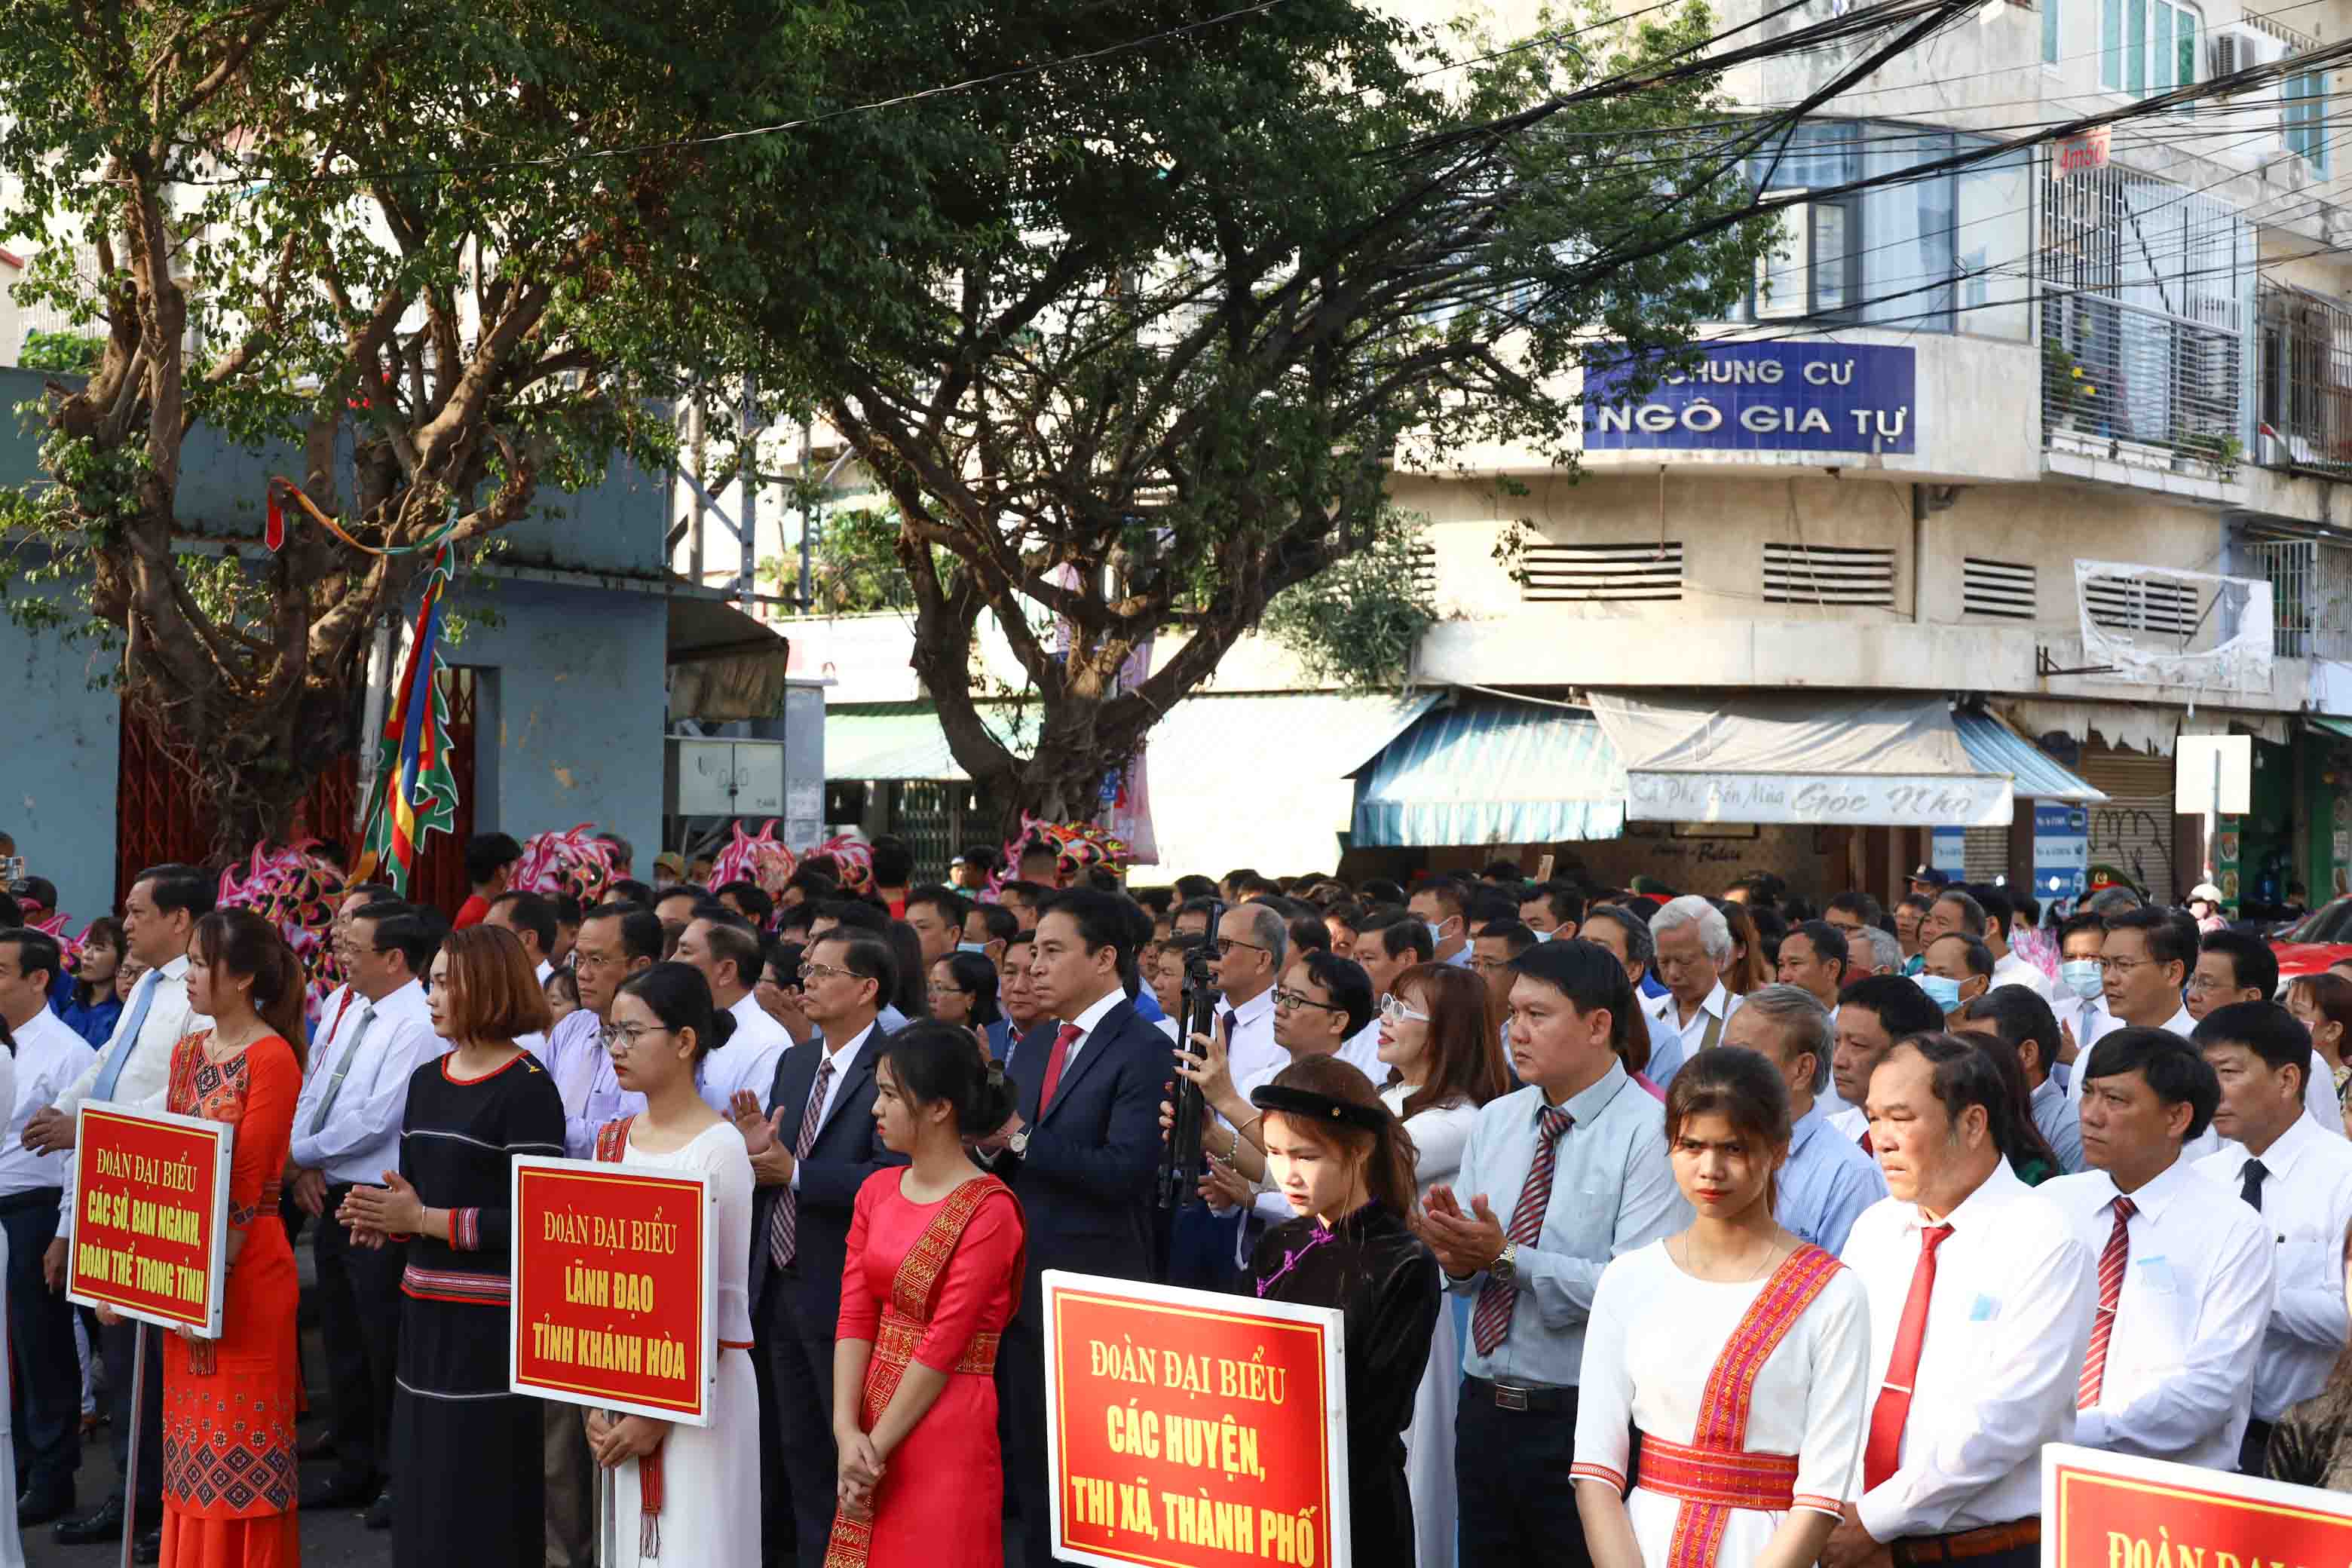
{"x": 405, "y": 250}
{"x": 1134, "y": 340}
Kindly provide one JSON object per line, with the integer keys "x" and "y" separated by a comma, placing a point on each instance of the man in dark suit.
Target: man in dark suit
{"x": 1082, "y": 1159}
{"x": 811, "y": 1151}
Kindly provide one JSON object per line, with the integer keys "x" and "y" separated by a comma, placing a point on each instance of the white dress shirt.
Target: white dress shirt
{"x": 147, "y": 1072}
{"x": 841, "y": 1060}
{"x": 2307, "y": 1209}
{"x": 2010, "y": 970}
{"x": 748, "y": 1059}
{"x": 49, "y": 1057}
{"x": 1850, "y": 1123}
{"x": 543, "y": 971}
{"x": 359, "y": 1139}
{"x": 2007, "y": 1325}
{"x": 1673, "y": 1042}
{"x": 2188, "y": 1320}
{"x": 1252, "y": 1054}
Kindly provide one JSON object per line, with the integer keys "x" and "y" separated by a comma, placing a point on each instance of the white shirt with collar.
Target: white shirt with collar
{"x": 543, "y": 971}
{"x": 1850, "y": 1123}
{"x": 748, "y": 1059}
{"x": 2307, "y": 1209}
{"x": 1673, "y": 1042}
{"x": 359, "y": 1139}
{"x": 2189, "y": 1320}
{"x": 2007, "y": 1325}
{"x": 2010, "y": 970}
{"x": 147, "y": 1071}
{"x": 1253, "y": 1054}
{"x": 840, "y": 1059}
{"x": 49, "y": 1057}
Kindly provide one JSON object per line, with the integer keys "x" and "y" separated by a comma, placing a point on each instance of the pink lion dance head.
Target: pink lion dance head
{"x": 755, "y": 858}
{"x": 1078, "y": 847}
{"x": 296, "y": 890}
{"x": 577, "y": 863}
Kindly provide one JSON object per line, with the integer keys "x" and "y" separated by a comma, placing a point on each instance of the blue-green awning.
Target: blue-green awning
{"x": 2329, "y": 724}
{"x": 1490, "y": 772}
{"x": 2034, "y": 774}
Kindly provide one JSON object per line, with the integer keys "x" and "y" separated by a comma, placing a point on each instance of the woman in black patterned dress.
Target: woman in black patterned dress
{"x": 467, "y": 1455}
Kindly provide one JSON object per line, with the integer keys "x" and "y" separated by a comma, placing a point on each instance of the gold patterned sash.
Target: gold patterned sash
{"x": 914, "y": 1291}
{"x": 1722, "y": 1431}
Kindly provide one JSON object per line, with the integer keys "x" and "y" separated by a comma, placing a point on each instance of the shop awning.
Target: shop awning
{"x": 723, "y": 664}
{"x": 1800, "y": 757}
{"x": 2034, "y": 774}
{"x": 2329, "y": 724}
{"x": 904, "y": 741}
{"x": 1493, "y": 772}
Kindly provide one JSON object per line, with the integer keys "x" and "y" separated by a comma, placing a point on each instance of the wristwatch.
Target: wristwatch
{"x": 1504, "y": 1269}
{"x": 1018, "y": 1144}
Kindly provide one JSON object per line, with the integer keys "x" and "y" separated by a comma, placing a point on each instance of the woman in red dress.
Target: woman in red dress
{"x": 933, "y": 1276}
{"x": 229, "y": 1482}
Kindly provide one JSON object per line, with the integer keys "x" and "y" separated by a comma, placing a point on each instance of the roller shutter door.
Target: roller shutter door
{"x": 2133, "y": 831}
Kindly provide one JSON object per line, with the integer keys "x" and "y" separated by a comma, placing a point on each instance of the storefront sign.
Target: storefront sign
{"x": 1187, "y": 1429}
{"x": 1948, "y": 851}
{"x": 614, "y": 1284}
{"x": 2062, "y": 851}
{"x": 2082, "y": 152}
{"x": 1762, "y": 397}
{"x": 1869, "y": 799}
{"x": 150, "y": 1215}
{"x": 2110, "y": 1510}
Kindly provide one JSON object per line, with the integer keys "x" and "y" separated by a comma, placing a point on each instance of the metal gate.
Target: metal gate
{"x": 922, "y": 813}
{"x": 2133, "y": 831}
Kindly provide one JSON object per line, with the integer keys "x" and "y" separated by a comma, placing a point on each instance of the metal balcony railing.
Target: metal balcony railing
{"x": 2304, "y": 382}
{"x": 2138, "y": 384}
{"x": 2311, "y": 596}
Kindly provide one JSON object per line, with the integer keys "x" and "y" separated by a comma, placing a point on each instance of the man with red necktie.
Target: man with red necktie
{"x": 1082, "y": 1158}
{"x": 1981, "y": 1305}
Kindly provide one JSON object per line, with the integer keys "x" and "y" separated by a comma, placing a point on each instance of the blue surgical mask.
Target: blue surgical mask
{"x": 1943, "y": 992}
{"x": 979, "y": 947}
{"x": 1436, "y": 937}
{"x": 1546, "y": 935}
{"x": 2083, "y": 976}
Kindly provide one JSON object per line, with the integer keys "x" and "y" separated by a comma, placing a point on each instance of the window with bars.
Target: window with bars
{"x": 2142, "y": 604}
{"x": 2305, "y": 110}
{"x": 2002, "y": 589}
{"x": 1828, "y": 574}
{"x": 1650, "y": 570}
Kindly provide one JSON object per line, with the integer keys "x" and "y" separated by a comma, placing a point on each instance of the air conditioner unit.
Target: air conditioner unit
{"x": 2234, "y": 49}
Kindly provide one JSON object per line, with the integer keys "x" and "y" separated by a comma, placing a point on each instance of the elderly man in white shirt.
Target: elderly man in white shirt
{"x": 49, "y": 1055}
{"x": 2184, "y": 1270}
{"x": 346, "y": 1134}
{"x": 726, "y": 952}
{"x": 159, "y": 919}
{"x": 1981, "y": 1306}
{"x": 2298, "y": 1179}
{"x": 1692, "y": 943}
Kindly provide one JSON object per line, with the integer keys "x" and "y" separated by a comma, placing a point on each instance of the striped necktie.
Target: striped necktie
{"x": 1496, "y": 1299}
{"x": 2111, "y": 1288}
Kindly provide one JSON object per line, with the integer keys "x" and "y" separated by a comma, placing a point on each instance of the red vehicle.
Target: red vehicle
{"x": 2320, "y": 939}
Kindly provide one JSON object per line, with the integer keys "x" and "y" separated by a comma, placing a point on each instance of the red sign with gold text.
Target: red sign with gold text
{"x": 2111, "y": 1510}
{"x": 150, "y": 1215}
{"x": 615, "y": 1286}
{"x": 1187, "y": 1429}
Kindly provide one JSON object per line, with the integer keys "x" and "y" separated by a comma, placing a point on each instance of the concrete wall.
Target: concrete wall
{"x": 57, "y": 766}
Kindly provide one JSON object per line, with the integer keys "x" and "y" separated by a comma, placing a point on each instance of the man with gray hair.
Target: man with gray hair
{"x": 1694, "y": 944}
{"x": 1827, "y": 1179}
{"x": 1885, "y": 952}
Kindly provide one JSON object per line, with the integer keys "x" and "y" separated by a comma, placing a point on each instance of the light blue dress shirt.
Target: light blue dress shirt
{"x": 1827, "y": 1181}
{"x": 1612, "y": 1192}
{"x": 2060, "y": 1121}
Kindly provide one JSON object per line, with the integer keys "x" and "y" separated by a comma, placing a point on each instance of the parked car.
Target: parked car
{"x": 2320, "y": 939}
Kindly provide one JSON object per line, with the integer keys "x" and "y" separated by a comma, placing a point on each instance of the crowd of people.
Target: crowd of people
{"x": 1752, "y": 1233}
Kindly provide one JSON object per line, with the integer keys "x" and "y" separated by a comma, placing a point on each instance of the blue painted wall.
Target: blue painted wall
{"x": 573, "y": 678}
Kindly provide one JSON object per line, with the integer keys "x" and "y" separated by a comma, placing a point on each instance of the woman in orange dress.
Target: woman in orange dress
{"x": 933, "y": 1275}
{"x": 229, "y": 1480}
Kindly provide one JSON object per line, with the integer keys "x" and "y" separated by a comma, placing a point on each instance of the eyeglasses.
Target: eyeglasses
{"x": 1226, "y": 945}
{"x": 935, "y": 989}
{"x": 820, "y": 970}
{"x": 622, "y": 1038}
{"x": 2202, "y": 984}
{"x": 1490, "y": 965}
{"x": 593, "y": 961}
{"x": 1291, "y": 1001}
{"x": 1395, "y": 1009}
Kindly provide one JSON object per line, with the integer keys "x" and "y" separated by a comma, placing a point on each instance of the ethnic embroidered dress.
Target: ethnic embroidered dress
{"x": 936, "y": 1283}
{"x": 468, "y": 1456}
{"x": 229, "y": 1480}
{"x": 1748, "y": 1397}
{"x": 1385, "y": 1279}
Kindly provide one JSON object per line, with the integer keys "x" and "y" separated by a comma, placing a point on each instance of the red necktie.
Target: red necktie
{"x": 2103, "y": 1322}
{"x": 1866, "y": 1146}
{"x": 1497, "y": 1300}
{"x": 1063, "y": 1040}
{"x": 1882, "y": 1454}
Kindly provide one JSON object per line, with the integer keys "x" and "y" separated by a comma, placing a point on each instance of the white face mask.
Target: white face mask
{"x": 1546, "y": 935}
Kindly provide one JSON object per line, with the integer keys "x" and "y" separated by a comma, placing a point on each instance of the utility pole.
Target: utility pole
{"x": 808, "y": 518}
{"x": 747, "y": 587}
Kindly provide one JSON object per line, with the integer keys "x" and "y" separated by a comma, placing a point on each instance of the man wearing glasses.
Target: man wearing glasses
{"x": 812, "y": 1147}
{"x": 1491, "y": 951}
{"x": 346, "y": 1132}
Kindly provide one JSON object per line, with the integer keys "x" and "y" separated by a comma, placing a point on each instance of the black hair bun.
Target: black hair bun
{"x": 722, "y": 1028}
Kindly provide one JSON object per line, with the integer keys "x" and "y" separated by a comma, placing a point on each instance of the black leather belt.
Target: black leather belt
{"x": 1534, "y": 1398}
{"x": 38, "y": 1198}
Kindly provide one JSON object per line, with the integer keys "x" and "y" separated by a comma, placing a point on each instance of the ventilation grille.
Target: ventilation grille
{"x": 1601, "y": 574}
{"x": 2003, "y": 589}
{"x": 2139, "y": 604}
{"x": 1828, "y": 574}
{"x": 1424, "y": 573}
